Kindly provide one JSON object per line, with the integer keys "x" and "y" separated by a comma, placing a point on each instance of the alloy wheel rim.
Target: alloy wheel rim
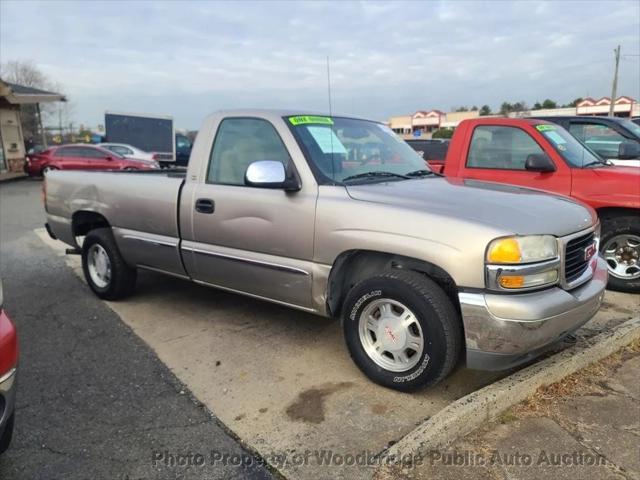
{"x": 622, "y": 254}
{"x": 99, "y": 265}
{"x": 391, "y": 335}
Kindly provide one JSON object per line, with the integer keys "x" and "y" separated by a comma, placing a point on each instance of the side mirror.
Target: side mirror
{"x": 628, "y": 150}
{"x": 109, "y": 158}
{"x": 539, "y": 162}
{"x": 269, "y": 174}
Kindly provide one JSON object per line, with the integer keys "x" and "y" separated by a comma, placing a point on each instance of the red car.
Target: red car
{"x": 83, "y": 157}
{"x": 8, "y": 366}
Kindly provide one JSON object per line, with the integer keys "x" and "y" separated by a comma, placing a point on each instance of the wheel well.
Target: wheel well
{"x": 608, "y": 212}
{"x": 356, "y": 265}
{"x": 83, "y": 222}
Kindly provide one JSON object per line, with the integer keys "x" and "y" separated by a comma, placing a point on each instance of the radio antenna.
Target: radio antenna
{"x": 329, "y": 85}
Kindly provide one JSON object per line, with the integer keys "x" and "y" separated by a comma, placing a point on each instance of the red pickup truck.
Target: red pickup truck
{"x": 541, "y": 155}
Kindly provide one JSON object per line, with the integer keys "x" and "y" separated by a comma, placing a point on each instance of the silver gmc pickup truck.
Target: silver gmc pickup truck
{"x": 338, "y": 217}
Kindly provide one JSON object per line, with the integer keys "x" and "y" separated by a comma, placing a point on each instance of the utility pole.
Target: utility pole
{"x": 614, "y": 88}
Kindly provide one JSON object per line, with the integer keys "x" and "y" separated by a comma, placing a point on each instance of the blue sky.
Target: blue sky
{"x": 188, "y": 59}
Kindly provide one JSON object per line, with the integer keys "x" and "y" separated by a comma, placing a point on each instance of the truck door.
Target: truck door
{"x": 497, "y": 153}
{"x": 253, "y": 240}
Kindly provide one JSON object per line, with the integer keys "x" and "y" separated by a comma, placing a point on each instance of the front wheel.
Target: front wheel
{"x": 47, "y": 169}
{"x": 104, "y": 268}
{"x": 620, "y": 247}
{"x": 402, "y": 330}
{"x": 5, "y": 440}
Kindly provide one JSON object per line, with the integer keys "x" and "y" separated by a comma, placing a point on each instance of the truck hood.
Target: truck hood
{"x": 618, "y": 178}
{"x": 608, "y": 186}
{"x": 513, "y": 209}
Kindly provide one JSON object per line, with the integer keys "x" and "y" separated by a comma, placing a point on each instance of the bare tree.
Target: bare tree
{"x": 27, "y": 74}
{"x": 24, "y": 73}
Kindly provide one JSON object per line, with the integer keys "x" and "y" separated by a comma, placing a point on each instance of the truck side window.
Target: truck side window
{"x": 505, "y": 148}
{"x": 601, "y": 138}
{"x": 240, "y": 142}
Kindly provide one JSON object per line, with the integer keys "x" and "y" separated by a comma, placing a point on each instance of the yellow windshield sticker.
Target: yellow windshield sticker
{"x": 545, "y": 128}
{"x": 307, "y": 119}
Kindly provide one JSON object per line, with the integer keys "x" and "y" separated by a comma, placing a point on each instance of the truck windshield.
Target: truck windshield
{"x": 574, "y": 152}
{"x": 346, "y": 150}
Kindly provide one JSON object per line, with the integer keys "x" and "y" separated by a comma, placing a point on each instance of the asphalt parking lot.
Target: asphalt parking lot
{"x": 93, "y": 400}
{"x": 280, "y": 380}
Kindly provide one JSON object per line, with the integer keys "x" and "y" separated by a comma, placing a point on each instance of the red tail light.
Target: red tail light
{"x": 8, "y": 344}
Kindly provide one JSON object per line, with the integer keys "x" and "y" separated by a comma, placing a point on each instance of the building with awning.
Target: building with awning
{"x": 12, "y": 145}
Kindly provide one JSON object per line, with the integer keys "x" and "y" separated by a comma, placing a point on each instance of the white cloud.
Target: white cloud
{"x": 187, "y": 58}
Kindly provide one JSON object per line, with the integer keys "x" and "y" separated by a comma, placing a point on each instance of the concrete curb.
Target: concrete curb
{"x": 474, "y": 410}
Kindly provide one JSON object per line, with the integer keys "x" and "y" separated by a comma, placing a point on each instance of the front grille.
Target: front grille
{"x": 575, "y": 262}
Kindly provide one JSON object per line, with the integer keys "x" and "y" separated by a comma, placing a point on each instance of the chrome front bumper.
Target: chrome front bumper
{"x": 7, "y": 397}
{"x": 504, "y": 330}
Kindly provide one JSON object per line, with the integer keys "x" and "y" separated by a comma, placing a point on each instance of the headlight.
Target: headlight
{"x": 515, "y": 250}
{"x": 522, "y": 262}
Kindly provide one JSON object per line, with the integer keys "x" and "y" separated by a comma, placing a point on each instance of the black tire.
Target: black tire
{"x": 439, "y": 320}
{"x": 5, "y": 441}
{"x": 613, "y": 226}
{"x": 122, "y": 280}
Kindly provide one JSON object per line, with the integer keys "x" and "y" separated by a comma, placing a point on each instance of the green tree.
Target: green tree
{"x": 485, "y": 110}
{"x": 505, "y": 108}
{"x": 520, "y": 106}
{"x": 443, "y": 133}
{"x": 461, "y": 109}
{"x": 574, "y": 103}
{"x": 548, "y": 103}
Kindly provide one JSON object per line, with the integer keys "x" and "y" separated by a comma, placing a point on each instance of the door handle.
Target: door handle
{"x": 205, "y": 205}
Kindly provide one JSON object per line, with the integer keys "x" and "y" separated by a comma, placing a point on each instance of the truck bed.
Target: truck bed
{"x": 152, "y": 197}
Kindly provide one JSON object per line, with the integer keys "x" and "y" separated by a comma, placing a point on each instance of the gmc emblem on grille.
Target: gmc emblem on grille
{"x": 589, "y": 252}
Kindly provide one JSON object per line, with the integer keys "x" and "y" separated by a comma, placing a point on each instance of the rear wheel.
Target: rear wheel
{"x": 620, "y": 247}
{"x": 104, "y": 268}
{"x": 402, "y": 330}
